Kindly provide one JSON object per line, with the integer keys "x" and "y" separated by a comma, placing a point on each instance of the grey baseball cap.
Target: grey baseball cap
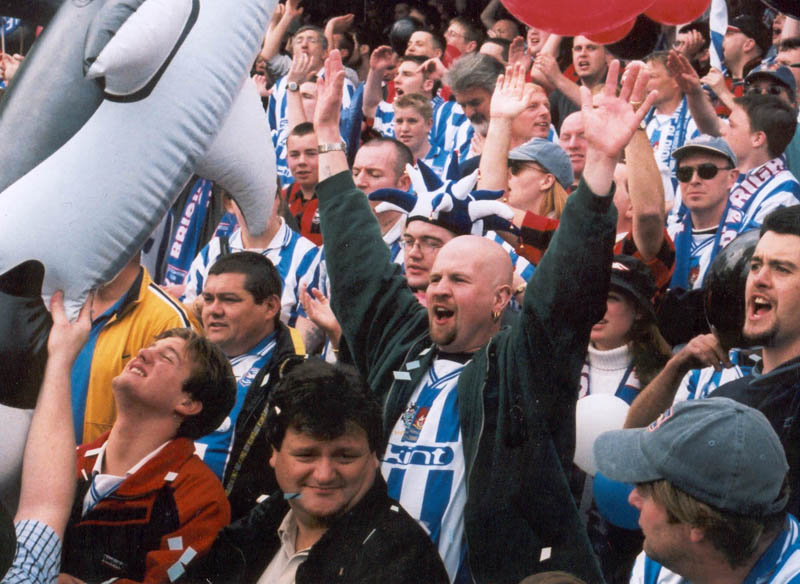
{"x": 720, "y": 452}
{"x": 550, "y": 156}
{"x": 707, "y": 144}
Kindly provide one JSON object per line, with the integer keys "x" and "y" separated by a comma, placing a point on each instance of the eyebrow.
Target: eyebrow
{"x": 177, "y": 355}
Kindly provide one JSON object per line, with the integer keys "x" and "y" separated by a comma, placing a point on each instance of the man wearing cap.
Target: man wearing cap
{"x": 717, "y": 203}
{"x": 710, "y": 488}
{"x": 780, "y": 81}
{"x": 746, "y": 41}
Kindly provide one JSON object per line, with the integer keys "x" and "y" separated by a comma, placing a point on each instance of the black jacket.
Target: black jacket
{"x": 375, "y": 542}
{"x": 255, "y": 476}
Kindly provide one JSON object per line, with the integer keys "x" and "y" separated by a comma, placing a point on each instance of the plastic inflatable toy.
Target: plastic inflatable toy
{"x": 157, "y": 90}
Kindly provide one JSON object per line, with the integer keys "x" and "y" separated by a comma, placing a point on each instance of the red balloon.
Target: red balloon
{"x": 613, "y": 35}
{"x": 675, "y": 13}
{"x": 577, "y": 17}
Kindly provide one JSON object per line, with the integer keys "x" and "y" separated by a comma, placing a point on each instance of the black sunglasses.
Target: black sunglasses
{"x": 706, "y": 171}
{"x": 771, "y": 90}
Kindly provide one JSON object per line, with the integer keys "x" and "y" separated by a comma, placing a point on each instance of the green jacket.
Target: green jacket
{"x": 516, "y": 396}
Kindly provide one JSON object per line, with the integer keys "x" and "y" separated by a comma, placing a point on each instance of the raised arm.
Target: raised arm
{"x": 337, "y": 25}
{"x": 48, "y": 468}
{"x": 701, "y": 351}
{"x": 282, "y": 18}
{"x": 545, "y": 69}
{"x": 646, "y": 193}
{"x": 301, "y": 70}
{"x": 326, "y": 116}
{"x": 379, "y": 62}
{"x": 610, "y": 121}
{"x": 700, "y": 105}
{"x": 510, "y": 98}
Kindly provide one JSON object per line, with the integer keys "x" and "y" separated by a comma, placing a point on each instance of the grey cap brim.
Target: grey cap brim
{"x": 619, "y": 456}
{"x": 684, "y": 151}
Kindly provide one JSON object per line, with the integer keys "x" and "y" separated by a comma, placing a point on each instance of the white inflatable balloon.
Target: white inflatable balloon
{"x": 86, "y": 209}
{"x": 595, "y": 414}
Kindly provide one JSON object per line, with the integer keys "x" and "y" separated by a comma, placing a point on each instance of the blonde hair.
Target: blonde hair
{"x": 552, "y": 204}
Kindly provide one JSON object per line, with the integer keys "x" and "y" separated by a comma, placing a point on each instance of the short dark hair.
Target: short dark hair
{"x": 211, "y": 382}
{"x": 302, "y": 129}
{"x": 473, "y": 32}
{"x": 262, "y": 279}
{"x": 403, "y": 155}
{"x": 316, "y": 29}
{"x": 771, "y": 115}
{"x": 324, "y": 401}
{"x": 784, "y": 221}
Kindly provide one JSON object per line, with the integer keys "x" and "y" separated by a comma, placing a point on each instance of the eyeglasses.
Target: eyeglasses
{"x": 310, "y": 39}
{"x": 517, "y": 166}
{"x": 426, "y": 244}
{"x": 706, "y": 171}
{"x": 768, "y": 90}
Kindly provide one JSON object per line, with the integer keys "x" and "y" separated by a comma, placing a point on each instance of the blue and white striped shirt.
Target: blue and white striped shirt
{"x": 215, "y": 448}
{"x": 424, "y": 463}
{"x": 294, "y": 256}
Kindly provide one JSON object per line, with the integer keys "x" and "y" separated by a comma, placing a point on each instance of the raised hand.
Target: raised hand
{"x": 293, "y": 10}
{"x": 318, "y": 309}
{"x": 329, "y": 98}
{"x": 511, "y": 94}
{"x": 434, "y": 68}
{"x": 609, "y": 120}
{"x": 381, "y": 59}
{"x": 548, "y": 67}
{"x": 67, "y": 338}
{"x": 302, "y": 68}
{"x": 340, "y": 24}
{"x": 691, "y": 44}
{"x": 516, "y": 53}
{"x": 684, "y": 74}
{"x": 716, "y": 81}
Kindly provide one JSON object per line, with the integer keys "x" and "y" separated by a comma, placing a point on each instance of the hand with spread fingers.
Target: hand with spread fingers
{"x": 511, "y": 94}
{"x": 684, "y": 74}
{"x": 329, "y": 98}
{"x": 610, "y": 119}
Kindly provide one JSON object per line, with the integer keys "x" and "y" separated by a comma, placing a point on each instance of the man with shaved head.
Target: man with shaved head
{"x": 479, "y": 418}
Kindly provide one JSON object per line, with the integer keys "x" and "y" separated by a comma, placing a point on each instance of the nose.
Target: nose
{"x": 635, "y": 499}
{"x": 324, "y": 471}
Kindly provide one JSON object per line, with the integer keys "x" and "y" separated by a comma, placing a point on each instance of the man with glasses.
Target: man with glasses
{"x": 309, "y": 40}
{"x": 463, "y": 35}
{"x": 717, "y": 203}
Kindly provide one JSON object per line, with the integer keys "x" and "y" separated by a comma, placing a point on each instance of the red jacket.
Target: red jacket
{"x": 147, "y": 526}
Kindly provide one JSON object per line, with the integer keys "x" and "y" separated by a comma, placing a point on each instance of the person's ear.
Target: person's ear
{"x": 189, "y": 406}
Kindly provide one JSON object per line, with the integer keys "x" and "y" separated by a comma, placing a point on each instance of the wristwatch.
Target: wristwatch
{"x": 334, "y": 146}
{"x": 292, "y": 86}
